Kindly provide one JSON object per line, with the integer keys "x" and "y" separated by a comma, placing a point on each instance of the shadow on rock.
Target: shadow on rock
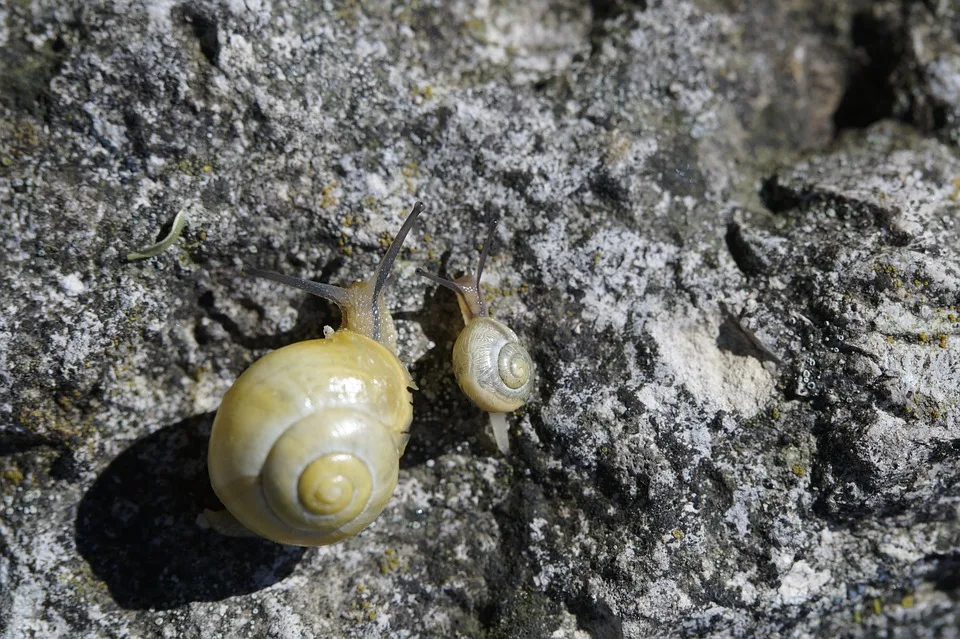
{"x": 137, "y": 527}
{"x": 736, "y": 338}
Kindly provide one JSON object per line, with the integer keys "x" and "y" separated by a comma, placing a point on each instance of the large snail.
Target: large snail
{"x": 305, "y": 447}
{"x": 491, "y": 366}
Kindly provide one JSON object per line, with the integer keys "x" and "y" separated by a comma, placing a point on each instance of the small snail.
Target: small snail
{"x": 306, "y": 445}
{"x": 490, "y": 365}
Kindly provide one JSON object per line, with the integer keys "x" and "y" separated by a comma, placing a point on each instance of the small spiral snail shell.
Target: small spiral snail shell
{"x": 491, "y": 366}
{"x": 305, "y": 447}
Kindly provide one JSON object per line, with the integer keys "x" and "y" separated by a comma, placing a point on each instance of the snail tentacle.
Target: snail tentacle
{"x": 330, "y": 292}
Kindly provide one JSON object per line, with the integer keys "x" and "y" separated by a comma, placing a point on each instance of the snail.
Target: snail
{"x": 306, "y": 444}
{"x": 491, "y": 366}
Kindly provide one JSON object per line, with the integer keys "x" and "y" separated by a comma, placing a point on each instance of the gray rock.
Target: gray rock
{"x": 745, "y": 321}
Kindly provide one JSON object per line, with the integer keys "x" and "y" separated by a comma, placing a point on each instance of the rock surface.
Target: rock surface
{"x": 730, "y": 238}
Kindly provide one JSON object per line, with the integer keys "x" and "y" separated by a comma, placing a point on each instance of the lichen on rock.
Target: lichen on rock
{"x": 728, "y": 238}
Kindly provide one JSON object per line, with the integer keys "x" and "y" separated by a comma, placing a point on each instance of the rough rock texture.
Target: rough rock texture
{"x": 729, "y": 238}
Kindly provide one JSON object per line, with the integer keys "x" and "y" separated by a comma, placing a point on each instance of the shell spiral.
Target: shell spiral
{"x": 491, "y": 366}
{"x": 306, "y": 444}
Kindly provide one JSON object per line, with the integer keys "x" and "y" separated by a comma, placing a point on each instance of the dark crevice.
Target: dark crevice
{"x": 946, "y": 575}
{"x": 605, "y": 11}
{"x": 136, "y": 133}
{"x": 512, "y": 517}
{"x": 66, "y": 468}
{"x": 206, "y": 31}
{"x": 627, "y": 492}
{"x": 596, "y": 618}
{"x": 606, "y": 187}
{"x": 18, "y": 439}
{"x": 26, "y": 73}
{"x": 780, "y": 199}
{"x": 747, "y": 260}
{"x": 870, "y": 95}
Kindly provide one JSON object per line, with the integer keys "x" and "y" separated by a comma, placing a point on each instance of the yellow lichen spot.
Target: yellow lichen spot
{"x": 475, "y": 27}
{"x": 907, "y": 601}
{"x": 857, "y": 617}
{"x": 955, "y": 196}
{"x": 943, "y": 340}
{"x": 360, "y": 588}
{"x": 877, "y": 606}
{"x": 389, "y": 561}
{"x": 678, "y": 533}
{"x": 799, "y": 470}
{"x": 427, "y": 237}
{"x": 618, "y": 148}
{"x": 13, "y": 475}
{"x": 923, "y": 337}
{"x": 597, "y": 257}
{"x": 934, "y": 413}
{"x": 889, "y": 338}
{"x": 347, "y": 250}
{"x": 327, "y": 199}
{"x": 6, "y": 161}
{"x": 775, "y": 413}
{"x": 425, "y": 92}
{"x": 951, "y": 318}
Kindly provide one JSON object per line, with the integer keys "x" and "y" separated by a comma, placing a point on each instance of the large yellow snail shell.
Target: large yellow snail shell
{"x": 305, "y": 447}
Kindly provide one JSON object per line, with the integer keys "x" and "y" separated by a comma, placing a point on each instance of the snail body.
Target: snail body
{"x": 306, "y": 444}
{"x": 492, "y": 367}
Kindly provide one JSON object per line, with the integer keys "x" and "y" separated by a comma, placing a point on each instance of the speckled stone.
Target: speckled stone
{"x": 729, "y": 239}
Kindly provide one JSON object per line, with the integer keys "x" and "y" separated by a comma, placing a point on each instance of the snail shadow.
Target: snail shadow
{"x": 736, "y": 338}
{"x": 137, "y": 527}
